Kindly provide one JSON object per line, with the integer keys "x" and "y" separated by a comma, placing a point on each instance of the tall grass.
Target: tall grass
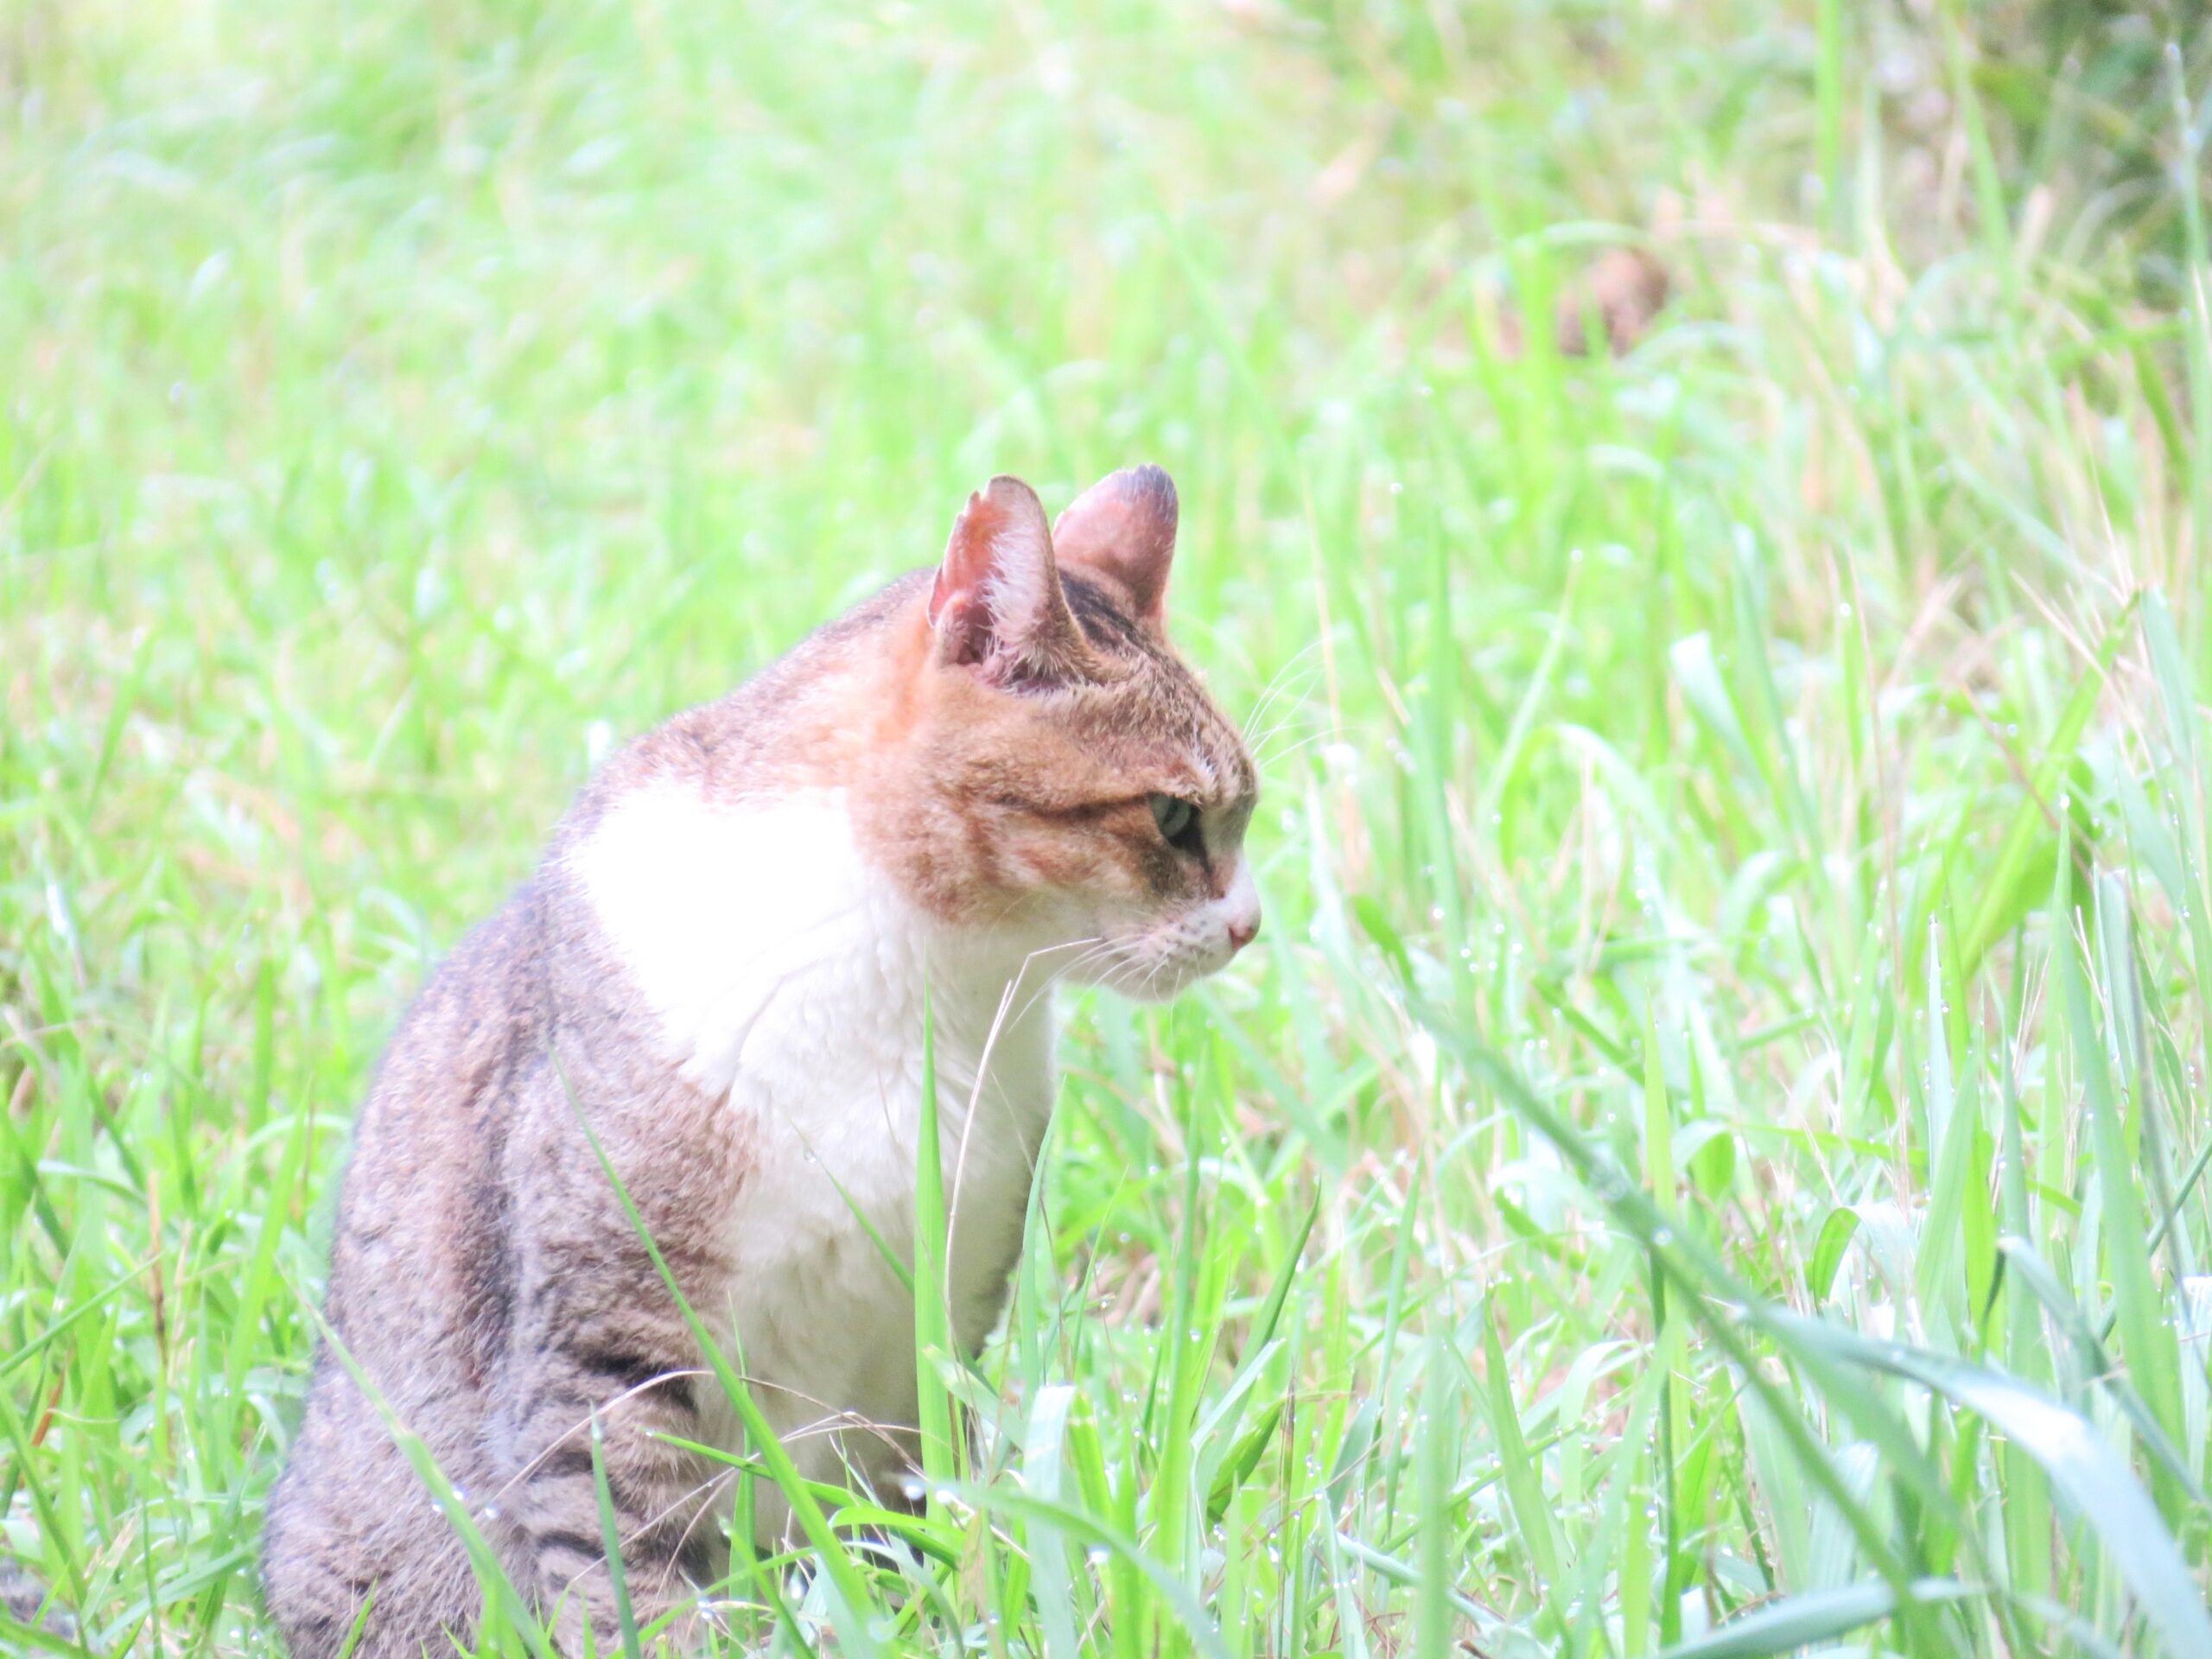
{"x": 1709, "y": 1153}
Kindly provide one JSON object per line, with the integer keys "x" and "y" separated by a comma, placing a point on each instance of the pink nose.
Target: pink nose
{"x": 1243, "y": 930}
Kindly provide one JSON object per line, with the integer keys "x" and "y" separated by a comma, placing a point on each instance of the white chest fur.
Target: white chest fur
{"x": 784, "y": 971}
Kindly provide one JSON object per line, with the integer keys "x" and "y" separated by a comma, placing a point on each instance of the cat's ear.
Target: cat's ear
{"x": 996, "y": 603}
{"x": 1123, "y": 528}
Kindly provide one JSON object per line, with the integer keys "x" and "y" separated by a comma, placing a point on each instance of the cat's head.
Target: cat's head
{"x": 1067, "y": 774}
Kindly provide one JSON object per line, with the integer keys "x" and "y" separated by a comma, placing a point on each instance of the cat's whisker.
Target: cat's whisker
{"x": 1321, "y": 729}
{"x": 1305, "y": 743}
{"x": 1278, "y": 751}
{"x": 1258, "y": 736}
{"x": 1099, "y": 949}
{"x": 1152, "y": 975}
{"x": 1084, "y": 944}
{"x": 1280, "y": 677}
{"x": 1113, "y": 952}
{"x": 1344, "y": 731}
{"x": 1295, "y": 713}
{"x": 982, "y": 1069}
{"x": 1293, "y": 695}
{"x": 1295, "y": 705}
{"x": 1087, "y": 949}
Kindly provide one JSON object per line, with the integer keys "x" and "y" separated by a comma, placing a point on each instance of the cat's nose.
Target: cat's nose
{"x": 1243, "y": 908}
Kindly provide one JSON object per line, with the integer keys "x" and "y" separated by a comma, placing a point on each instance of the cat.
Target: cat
{"x": 985, "y": 777}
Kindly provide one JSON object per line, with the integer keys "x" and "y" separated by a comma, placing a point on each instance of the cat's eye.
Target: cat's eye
{"x": 1179, "y": 822}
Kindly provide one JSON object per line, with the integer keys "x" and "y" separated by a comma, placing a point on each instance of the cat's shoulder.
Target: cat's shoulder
{"x": 767, "y": 735}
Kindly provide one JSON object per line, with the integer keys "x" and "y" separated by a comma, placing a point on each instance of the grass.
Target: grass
{"x": 1708, "y": 1153}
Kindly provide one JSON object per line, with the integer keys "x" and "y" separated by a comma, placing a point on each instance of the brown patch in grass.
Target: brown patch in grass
{"x": 1624, "y": 289}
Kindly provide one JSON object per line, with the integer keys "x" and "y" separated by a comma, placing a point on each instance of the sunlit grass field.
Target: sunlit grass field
{"x": 1708, "y": 1151}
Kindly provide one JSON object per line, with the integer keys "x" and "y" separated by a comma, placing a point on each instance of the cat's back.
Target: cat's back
{"x": 421, "y": 1299}
{"x": 417, "y": 1248}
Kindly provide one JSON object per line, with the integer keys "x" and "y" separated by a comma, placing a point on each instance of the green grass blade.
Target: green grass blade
{"x": 610, "y": 1537}
{"x": 1433, "y": 1521}
{"x": 933, "y": 1345}
{"x": 2095, "y": 1478}
{"x": 1796, "y": 1623}
{"x": 2009, "y": 890}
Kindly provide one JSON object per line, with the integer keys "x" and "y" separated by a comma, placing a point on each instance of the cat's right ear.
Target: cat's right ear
{"x": 996, "y": 604}
{"x": 1123, "y": 528}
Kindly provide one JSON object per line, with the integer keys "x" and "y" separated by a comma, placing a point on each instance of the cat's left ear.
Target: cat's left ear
{"x": 996, "y": 604}
{"x": 1122, "y": 528}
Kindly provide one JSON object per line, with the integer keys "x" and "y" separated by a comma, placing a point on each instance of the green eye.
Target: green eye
{"x": 1178, "y": 822}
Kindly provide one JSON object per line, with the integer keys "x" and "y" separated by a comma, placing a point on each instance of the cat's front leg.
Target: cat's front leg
{"x": 664, "y": 1497}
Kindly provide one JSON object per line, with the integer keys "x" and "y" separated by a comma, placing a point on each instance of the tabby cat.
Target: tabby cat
{"x": 987, "y": 777}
